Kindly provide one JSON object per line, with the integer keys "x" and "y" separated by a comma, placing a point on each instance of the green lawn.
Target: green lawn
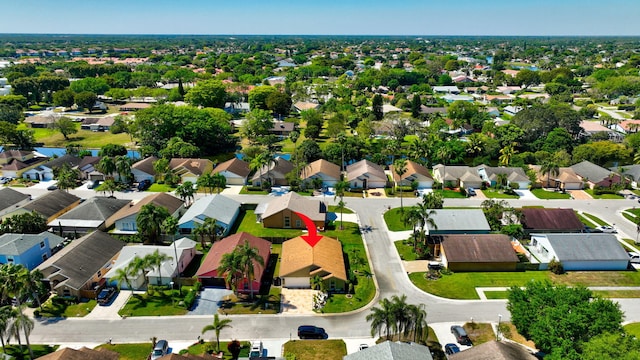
{"x": 85, "y": 138}
{"x": 629, "y": 217}
{"x": 248, "y": 223}
{"x": 155, "y": 187}
{"x": 603, "y": 196}
{"x": 394, "y": 221}
{"x": 59, "y": 307}
{"x": 544, "y": 194}
{"x": 155, "y": 303}
{"x": 634, "y": 211}
{"x": 138, "y": 351}
{"x": 200, "y": 349}
{"x": 334, "y": 208}
{"x": 267, "y": 304}
{"x": 493, "y": 295}
{"x": 315, "y": 349}
{"x": 633, "y": 329}
{"x": 406, "y": 251}
{"x": 495, "y": 194}
{"x": 247, "y": 191}
{"x": 38, "y": 350}
{"x": 462, "y": 285}
{"x": 452, "y": 194}
{"x": 595, "y": 219}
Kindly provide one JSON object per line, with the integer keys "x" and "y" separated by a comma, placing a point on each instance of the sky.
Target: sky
{"x": 323, "y": 17}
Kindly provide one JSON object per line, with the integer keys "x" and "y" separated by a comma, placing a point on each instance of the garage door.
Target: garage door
{"x": 213, "y": 282}
{"x": 296, "y": 282}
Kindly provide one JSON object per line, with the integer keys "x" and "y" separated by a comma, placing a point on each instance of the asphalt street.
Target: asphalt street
{"x": 388, "y": 273}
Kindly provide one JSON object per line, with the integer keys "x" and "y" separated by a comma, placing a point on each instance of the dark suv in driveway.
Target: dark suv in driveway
{"x": 144, "y": 185}
{"x": 461, "y": 335}
{"x": 105, "y": 295}
{"x": 311, "y": 332}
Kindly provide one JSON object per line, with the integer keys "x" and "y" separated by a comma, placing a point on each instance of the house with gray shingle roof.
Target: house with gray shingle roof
{"x": 88, "y": 216}
{"x": 514, "y": 175}
{"x": 414, "y": 172}
{"x": 224, "y": 209}
{"x": 29, "y": 250}
{"x": 457, "y": 175}
{"x": 279, "y": 212}
{"x": 49, "y": 206}
{"x": 594, "y": 175}
{"x": 458, "y": 221}
{"x": 631, "y": 172}
{"x": 45, "y": 171}
{"x": 392, "y": 351}
{"x": 366, "y": 175}
{"x": 321, "y": 169}
{"x": 143, "y": 169}
{"x": 11, "y": 199}
{"x": 275, "y": 173}
{"x": 579, "y": 251}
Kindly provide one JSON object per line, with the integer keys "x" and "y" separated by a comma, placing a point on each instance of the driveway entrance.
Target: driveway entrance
{"x": 207, "y": 302}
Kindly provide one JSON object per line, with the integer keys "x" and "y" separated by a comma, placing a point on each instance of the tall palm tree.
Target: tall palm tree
{"x": 249, "y": 258}
{"x": 122, "y": 276}
{"x": 170, "y": 227}
{"x": 107, "y": 166}
{"x": 23, "y": 323}
{"x": 419, "y": 326}
{"x": 506, "y": 154}
{"x": 7, "y": 314}
{"x": 258, "y": 163}
{"x": 501, "y": 180}
{"x": 155, "y": 260}
{"x": 34, "y": 286}
{"x": 139, "y": 266}
{"x": 400, "y": 315}
{"x": 426, "y": 218}
{"x": 550, "y": 168}
{"x": 149, "y": 219}
{"x": 217, "y": 326}
{"x": 212, "y": 229}
{"x": 400, "y": 168}
{"x": 444, "y": 153}
{"x": 381, "y": 318}
{"x": 185, "y": 192}
{"x": 206, "y": 182}
{"x": 413, "y": 216}
{"x": 340, "y": 188}
{"x": 219, "y": 182}
{"x": 123, "y": 167}
{"x": 231, "y": 267}
{"x": 13, "y": 284}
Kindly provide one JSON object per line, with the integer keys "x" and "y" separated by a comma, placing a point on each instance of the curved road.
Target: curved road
{"x": 388, "y": 271}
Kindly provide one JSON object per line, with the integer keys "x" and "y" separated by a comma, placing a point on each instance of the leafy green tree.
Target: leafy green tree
{"x": 14, "y": 100}
{"x": 63, "y": 98}
{"x": 376, "y": 106}
{"x": 279, "y": 102}
{"x": 611, "y": 346}
{"x": 416, "y": 106}
{"x": 67, "y": 176}
{"x": 91, "y": 84}
{"x": 148, "y": 221}
{"x": 178, "y": 148}
{"x": 185, "y": 191}
{"x": 86, "y": 100}
{"x": 526, "y": 78}
{"x": 257, "y": 124}
{"x": 207, "y": 93}
{"x": 217, "y": 326}
{"x": 107, "y": 166}
{"x": 110, "y": 186}
{"x": 14, "y": 282}
{"x": 11, "y": 113}
{"x": 433, "y": 200}
{"x": 24, "y": 223}
{"x": 258, "y": 96}
{"x": 309, "y": 151}
{"x": 112, "y": 150}
{"x": 66, "y": 126}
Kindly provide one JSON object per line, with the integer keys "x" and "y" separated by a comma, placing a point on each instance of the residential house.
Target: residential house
{"x": 88, "y": 169}
{"x": 458, "y": 221}
{"x": 579, "y": 251}
{"x": 389, "y": 350}
{"x": 184, "y": 249}
{"x": 452, "y": 98}
{"x": 282, "y": 128}
{"x": 508, "y": 89}
{"x": 44, "y": 171}
{"x": 495, "y": 350}
{"x": 446, "y": 89}
{"x": 88, "y": 216}
{"x": 15, "y": 162}
{"x": 512, "y": 110}
{"x": 134, "y": 106}
{"x": 628, "y": 126}
{"x": 550, "y": 220}
{"x": 190, "y": 169}
{"x": 630, "y": 172}
{"x": 83, "y": 353}
{"x": 321, "y": 169}
{"x": 124, "y": 219}
{"x": 590, "y": 128}
{"x": 512, "y": 175}
{"x": 457, "y": 176}
{"x": 11, "y": 199}
{"x": 480, "y": 252}
{"x": 300, "y": 262}
{"x": 275, "y": 173}
{"x": 414, "y": 172}
{"x": 566, "y": 179}
{"x": 78, "y": 269}
{"x": 594, "y": 175}
{"x": 280, "y": 212}
{"x": 235, "y": 171}
{"x": 432, "y": 110}
{"x": 301, "y": 106}
{"x": 224, "y": 209}
{"x": 366, "y": 175}
{"x": 44, "y": 120}
{"x": 208, "y": 273}
{"x": 143, "y": 169}
{"x": 98, "y": 124}
{"x": 49, "y": 206}
{"x": 28, "y": 250}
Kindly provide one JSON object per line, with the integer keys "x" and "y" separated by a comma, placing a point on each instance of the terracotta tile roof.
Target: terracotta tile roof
{"x": 171, "y": 203}
{"x": 209, "y": 267}
{"x": 326, "y": 255}
{"x": 478, "y": 248}
{"x": 145, "y": 165}
{"x": 413, "y": 168}
{"x": 194, "y": 166}
{"x": 81, "y": 354}
{"x": 235, "y": 166}
{"x": 313, "y": 209}
{"x": 321, "y": 166}
{"x": 550, "y": 219}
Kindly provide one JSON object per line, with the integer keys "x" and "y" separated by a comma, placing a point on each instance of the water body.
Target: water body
{"x": 284, "y": 156}
{"x": 51, "y": 152}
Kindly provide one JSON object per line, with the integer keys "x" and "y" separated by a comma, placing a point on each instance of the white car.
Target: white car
{"x": 607, "y": 229}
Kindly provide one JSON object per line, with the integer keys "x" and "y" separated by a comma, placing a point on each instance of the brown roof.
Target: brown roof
{"x": 235, "y": 166}
{"x": 494, "y": 350}
{"x": 478, "y": 248}
{"x": 565, "y": 175}
{"x": 194, "y": 166}
{"x": 81, "y": 354}
{"x": 321, "y": 166}
{"x": 412, "y": 169}
{"x": 145, "y": 165}
{"x": 363, "y": 167}
{"x": 135, "y": 106}
{"x": 171, "y": 203}
{"x": 550, "y": 219}
{"x": 326, "y": 255}
{"x": 278, "y": 169}
{"x": 313, "y": 209}
{"x": 10, "y": 154}
{"x": 89, "y": 160}
{"x": 51, "y": 203}
{"x": 209, "y": 266}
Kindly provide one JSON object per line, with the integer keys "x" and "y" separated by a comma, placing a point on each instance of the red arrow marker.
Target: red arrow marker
{"x": 312, "y": 238}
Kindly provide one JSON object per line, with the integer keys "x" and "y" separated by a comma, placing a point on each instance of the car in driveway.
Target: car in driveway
{"x": 311, "y": 332}
{"x": 451, "y": 349}
{"x": 159, "y": 350}
{"x": 607, "y": 229}
{"x": 105, "y": 295}
{"x": 461, "y": 336}
{"x": 52, "y": 187}
{"x": 363, "y": 346}
{"x": 144, "y": 185}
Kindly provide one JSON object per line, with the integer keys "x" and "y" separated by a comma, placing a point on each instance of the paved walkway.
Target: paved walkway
{"x": 415, "y": 266}
{"x": 579, "y": 195}
{"x": 297, "y": 301}
{"x": 110, "y": 312}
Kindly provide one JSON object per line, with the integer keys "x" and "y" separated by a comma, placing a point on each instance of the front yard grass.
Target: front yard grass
{"x": 315, "y": 349}
{"x": 249, "y": 224}
{"x": 137, "y": 351}
{"x": 406, "y": 251}
{"x": 38, "y": 351}
{"x": 496, "y": 194}
{"x": 450, "y": 194}
{"x": 394, "y": 220}
{"x": 201, "y": 348}
{"x": 155, "y": 187}
{"x": 59, "y": 307}
{"x": 479, "y": 333}
{"x": 544, "y": 194}
{"x": 595, "y": 219}
{"x": 462, "y": 285}
{"x": 246, "y": 190}
{"x": 263, "y": 304}
{"x": 334, "y": 208}
{"x": 603, "y": 196}
{"x": 156, "y": 302}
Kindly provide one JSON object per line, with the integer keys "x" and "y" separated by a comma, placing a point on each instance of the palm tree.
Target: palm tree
{"x": 211, "y": 228}
{"x": 249, "y": 257}
{"x": 419, "y": 325}
{"x": 219, "y": 182}
{"x": 139, "y": 265}
{"x": 200, "y": 232}
{"x": 257, "y": 163}
{"x": 24, "y": 323}
{"x": 107, "y": 166}
{"x": 550, "y": 168}
{"x": 340, "y": 189}
{"x": 506, "y": 154}
{"x": 217, "y": 326}
{"x": 230, "y": 266}
{"x": 381, "y": 318}
{"x": 149, "y": 219}
{"x": 206, "y": 182}
{"x": 501, "y": 180}
{"x": 34, "y": 285}
{"x": 155, "y": 260}
{"x": 444, "y": 153}
{"x": 13, "y": 284}
{"x": 123, "y": 167}
{"x": 170, "y": 227}
{"x": 400, "y": 168}
{"x": 400, "y": 316}
{"x": 122, "y": 276}
{"x": 185, "y": 192}
{"x": 413, "y": 217}
{"x": 7, "y": 314}
{"x": 426, "y": 218}
{"x": 341, "y": 206}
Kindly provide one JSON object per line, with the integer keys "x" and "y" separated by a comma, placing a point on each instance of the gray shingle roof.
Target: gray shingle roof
{"x": 586, "y": 246}
{"x": 10, "y": 197}
{"x": 591, "y": 171}
{"x": 96, "y": 208}
{"x": 367, "y": 167}
{"x": 16, "y": 244}
{"x": 459, "y": 220}
{"x": 217, "y": 207}
{"x": 392, "y": 351}
{"x": 494, "y": 350}
{"x": 629, "y": 170}
{"x": 51, "y": 203}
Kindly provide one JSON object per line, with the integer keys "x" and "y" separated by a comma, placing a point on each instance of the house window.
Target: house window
{"x": 10, "y": 259}
{"x": 298, "y": 224}
{"x": 44, "y": 257}
{"x": 287, "y": 221}
{"x": 66, "y": 292}
{"x": 99, "y": 273}
{"x": 41, "y": 244}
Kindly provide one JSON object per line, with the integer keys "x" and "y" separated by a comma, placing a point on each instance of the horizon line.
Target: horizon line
{"x": 322, "y": 35}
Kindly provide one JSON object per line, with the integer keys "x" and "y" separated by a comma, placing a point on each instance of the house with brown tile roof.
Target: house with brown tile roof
{"x": 81, "y": 354}
{"x": 282, "y": 128}
{"x": 567, "y": 179}
{"x": 208, "y": 273}
{"x": 49, "y": 206}
{"x": 301, "y": 106}
{"x": 125, "y": 218}
{"x": 13, "y": 163}
{"x": 415, "y": 172}
{"x": 479, "y": 252}
{"x": 366, "y": 175}
{"x": 550, "y": 220}
{"x": 279, "y": 212}
{"x": 495, "y": 350}
{"x": 300, "y": 262}
{"x": 143, "y": 169}
{"x": 321, "y": 169}
{"x": 235, "y": 171}
{"x": 275, "y": 172}
{"x": 190, "y": 169}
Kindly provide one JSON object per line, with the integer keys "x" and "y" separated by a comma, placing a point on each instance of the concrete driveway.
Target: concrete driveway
{"x": 207, "y": 302}
{"x": 443, "y": 332}
{"x": 110, "y": 311}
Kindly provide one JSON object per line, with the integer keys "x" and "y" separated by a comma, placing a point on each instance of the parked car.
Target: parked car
{"x": 461, "y": 335}
{"x": 93, "y": 184}
{"x": 161, "y": 349}
{"x": 451, "y": 349}
{"x": 311, "y": 332}
{"x": 4, "y": 180}
{"x": 634, "y": 258}
{"x": 607, "y": 229}
{"x": 144, "y": 185}
{"x": 471, "y": 191}
{"x": 256, "y": 349}
{"x": 105, "y": 295}
{"x": 363, "y": 346}
{"x": 52, "y": 187}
